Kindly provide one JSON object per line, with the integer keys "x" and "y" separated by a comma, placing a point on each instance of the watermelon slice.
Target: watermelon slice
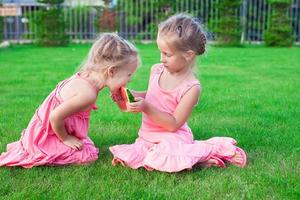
{"x": 127, "y": 96}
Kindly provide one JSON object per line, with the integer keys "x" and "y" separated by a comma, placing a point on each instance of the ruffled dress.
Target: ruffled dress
{"x": 158, "y": 149}
{"x": 40, "y": 146}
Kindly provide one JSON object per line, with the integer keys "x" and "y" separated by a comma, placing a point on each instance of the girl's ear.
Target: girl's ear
{"x": 111, "y": 71}
{"x": 189, "y": 55}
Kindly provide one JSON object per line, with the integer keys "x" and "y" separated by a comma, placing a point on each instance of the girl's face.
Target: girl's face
{"x": 174, "y": 60}
{"x": 121, "y": 76}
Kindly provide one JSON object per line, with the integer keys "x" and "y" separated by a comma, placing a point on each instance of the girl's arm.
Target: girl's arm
{"x": 171, "y": 122}
{"x": 82, "y": 100}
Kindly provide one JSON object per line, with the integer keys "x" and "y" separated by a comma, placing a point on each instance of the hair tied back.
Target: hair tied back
{"x": 179, "y": 30}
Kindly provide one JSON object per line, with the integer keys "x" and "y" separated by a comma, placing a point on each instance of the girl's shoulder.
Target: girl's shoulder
{"x": 157, "y": 68}
{"x": 79, "y": 87}
{"x": 192, "y": 80}
{"x": 188, "y": 84}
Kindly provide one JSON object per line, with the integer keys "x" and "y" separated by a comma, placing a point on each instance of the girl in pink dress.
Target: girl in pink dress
{"x": 165, "y": 141}
{"x": 57, "y": 132}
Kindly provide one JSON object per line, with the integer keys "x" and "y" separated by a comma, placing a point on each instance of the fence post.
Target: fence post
{"x": 244, "y": 21}
{"x": 18, "y": 24}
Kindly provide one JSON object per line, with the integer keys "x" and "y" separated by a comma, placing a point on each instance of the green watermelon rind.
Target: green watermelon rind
{"x": 130, "y": 96}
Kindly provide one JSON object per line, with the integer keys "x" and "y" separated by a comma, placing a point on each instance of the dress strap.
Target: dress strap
{"x": 157, "y": 71}
{"x": 61, "y": 84}
{"x": 160, "y": 69}
{"x": 188, "y": 85}
{"x": 64, "y": 82}
{"x": 77, "y": 75}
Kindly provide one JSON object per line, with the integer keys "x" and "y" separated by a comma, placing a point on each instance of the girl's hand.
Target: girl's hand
{"x": 138, "y": 106}
{"x": 73, "y": 142}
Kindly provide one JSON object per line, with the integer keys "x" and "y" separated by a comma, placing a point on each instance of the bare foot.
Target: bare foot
{"x": 115, "y": 161}
{"x": 239, "y": 159}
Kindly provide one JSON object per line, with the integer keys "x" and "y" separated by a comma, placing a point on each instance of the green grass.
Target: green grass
{"x": 251, "y": 94}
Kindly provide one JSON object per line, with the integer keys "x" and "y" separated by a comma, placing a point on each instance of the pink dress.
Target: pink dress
{"x": 158, "y": 149}
{"x": 40, "y": 146}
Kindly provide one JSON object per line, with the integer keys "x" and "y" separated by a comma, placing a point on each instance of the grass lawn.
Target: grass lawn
{"x": 251, "y": 94}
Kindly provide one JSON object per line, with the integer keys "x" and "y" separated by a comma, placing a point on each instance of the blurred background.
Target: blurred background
{"x": 228, "y": 22}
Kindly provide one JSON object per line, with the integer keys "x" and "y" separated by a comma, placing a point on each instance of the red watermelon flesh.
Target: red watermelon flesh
{"x": 126, "y": 96}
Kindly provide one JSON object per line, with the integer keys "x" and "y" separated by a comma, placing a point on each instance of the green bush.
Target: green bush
{"x": 50, "y": 26}
{"x": 279, "y": 31}
{"x": 227, "y": 27}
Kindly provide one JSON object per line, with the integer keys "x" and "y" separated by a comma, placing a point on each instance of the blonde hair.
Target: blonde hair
{"x": 109, "y": 50}
{"x": 184, "y": 33}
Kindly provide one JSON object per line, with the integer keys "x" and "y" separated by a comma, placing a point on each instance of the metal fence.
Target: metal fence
{"x": 138, "y": 19}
